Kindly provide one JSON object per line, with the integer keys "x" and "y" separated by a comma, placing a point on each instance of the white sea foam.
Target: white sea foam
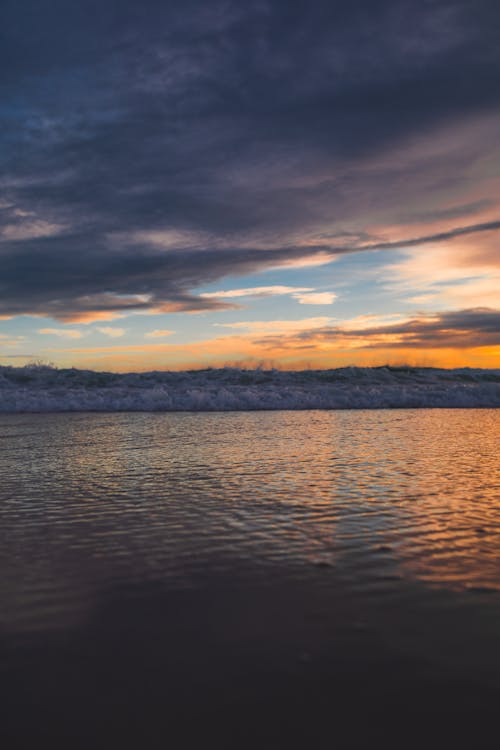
{"x": 47, "y": 389}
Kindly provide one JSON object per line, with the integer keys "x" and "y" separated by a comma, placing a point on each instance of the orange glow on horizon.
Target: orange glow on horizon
{"x": 238, "y": 352}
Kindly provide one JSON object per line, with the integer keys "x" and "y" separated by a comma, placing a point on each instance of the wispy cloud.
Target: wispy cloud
{"x": 316, "y": 298}
{"x": 428, "y": 239}
{"x": 111, "y": 332}
{"x": 29, "y": 230}
{"x": 158, "y": 334}
{"x": 257, "y": 291}
{"x": 303, "y": 295}
{"x": 461, "y": 273}
{"x": 9, "y": 340}
{"x": 277, "y": 326}
{"x": 64, "y": 333}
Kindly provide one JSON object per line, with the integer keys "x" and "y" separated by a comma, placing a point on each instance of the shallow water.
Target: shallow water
{"x": 92, "y": 501}
{"x": 321, "y": 538}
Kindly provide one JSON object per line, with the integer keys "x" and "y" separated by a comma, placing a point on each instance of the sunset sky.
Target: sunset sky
{"x": 287, "y": 183}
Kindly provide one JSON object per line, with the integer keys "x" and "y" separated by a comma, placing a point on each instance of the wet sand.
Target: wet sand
{"x": 271, "y": 666}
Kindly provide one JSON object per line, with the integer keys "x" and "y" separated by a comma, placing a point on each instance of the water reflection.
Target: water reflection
{"x": 91, "y": 501}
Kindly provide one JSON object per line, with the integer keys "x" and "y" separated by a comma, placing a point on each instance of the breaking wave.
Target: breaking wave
{"x": 39, "y": 388}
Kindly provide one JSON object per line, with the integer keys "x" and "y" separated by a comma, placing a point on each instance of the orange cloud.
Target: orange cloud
{"x": 91, "y": 316}
{"x": 65, "y": 333}
{"x": 462, "y": 274}
{"x": 113, "y": 333}
{"x": 157, "y": 334}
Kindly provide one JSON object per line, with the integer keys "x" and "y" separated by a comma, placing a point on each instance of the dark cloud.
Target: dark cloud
{"x": 248, "y": 123}
{"x": 437, "y": 237}
{"x": 456, "y": 329}
{"x": 41, "y": 277}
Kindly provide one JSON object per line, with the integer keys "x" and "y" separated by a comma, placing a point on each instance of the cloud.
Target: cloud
{"x": 71, "y": 315}
{"x": 465, "y": 329}
{"x": 158, "y": 334}
{"x": 61, "y": 287}
{"x": 169, "y": 148}
{"x": 277, "y": 326}
{"x": 29, "y": 230}
{"x": 257, "y": 291}
{"x": 64, "y": 333}
{"x": 316, "y": 298}
{"x": 461, "y": 273}
{"x": 303, "y": 295}
{"x": 112, "y": 332}
{"x": 438, "y": 237}
{"x": 10, "y": 340}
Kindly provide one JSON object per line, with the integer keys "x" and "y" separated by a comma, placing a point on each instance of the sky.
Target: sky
{"x": 271, "y": 183}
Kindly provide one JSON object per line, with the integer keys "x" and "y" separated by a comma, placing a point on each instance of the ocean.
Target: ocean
{"x": 250, "y": 579}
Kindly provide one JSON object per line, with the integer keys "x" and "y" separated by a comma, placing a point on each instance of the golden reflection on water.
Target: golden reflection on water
{"x": 378, "y": 498}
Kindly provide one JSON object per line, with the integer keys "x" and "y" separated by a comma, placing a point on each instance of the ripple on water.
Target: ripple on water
{"x": 377, "y": 498}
